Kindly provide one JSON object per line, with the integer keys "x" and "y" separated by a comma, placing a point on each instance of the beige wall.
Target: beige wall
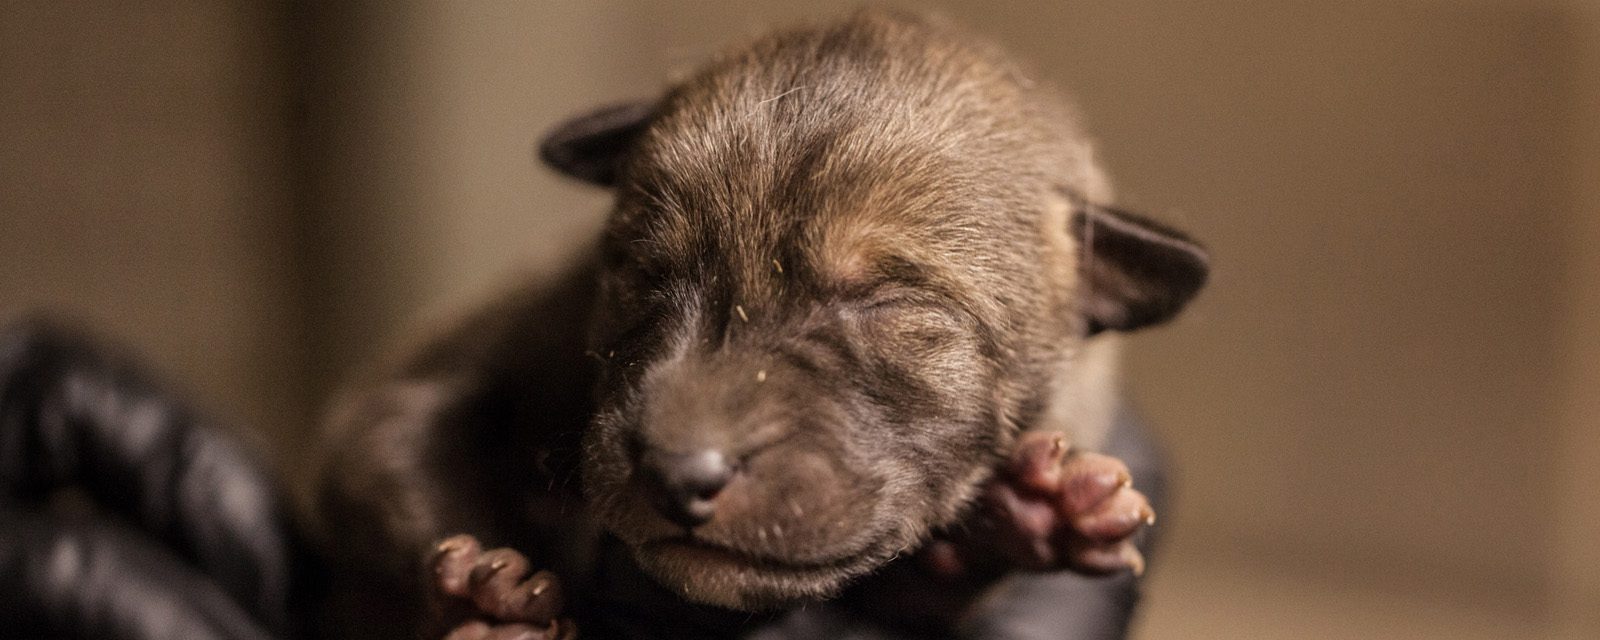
{"x": 1383, "y": 412}
{"x": 1574, "y": 564}
{"x": 144, "y": 191}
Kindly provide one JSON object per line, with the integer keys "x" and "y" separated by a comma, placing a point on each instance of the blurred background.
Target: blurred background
{"x": 1385, "y": 412}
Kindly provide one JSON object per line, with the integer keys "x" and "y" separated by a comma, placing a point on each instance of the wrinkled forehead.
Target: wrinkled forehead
{"x": 772, "y": 192}
{"x": 856, "y": 251}
{"x": 777, "y": 235}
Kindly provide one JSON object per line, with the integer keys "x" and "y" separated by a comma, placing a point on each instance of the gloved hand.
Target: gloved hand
{"x": 186, "y": 536}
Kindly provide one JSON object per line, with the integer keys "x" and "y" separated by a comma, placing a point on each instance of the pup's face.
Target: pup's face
{"x": 835, "y": 349}
{"x": 819, "y": 333}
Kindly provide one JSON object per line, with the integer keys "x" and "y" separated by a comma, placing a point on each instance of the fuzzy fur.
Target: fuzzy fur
{"x": 842, "y": 255}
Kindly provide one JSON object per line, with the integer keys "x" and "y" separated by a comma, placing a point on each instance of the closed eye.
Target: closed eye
{"x": 900, "y": 300}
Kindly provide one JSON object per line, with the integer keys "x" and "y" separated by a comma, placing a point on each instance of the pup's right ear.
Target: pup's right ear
{"x": 591, "y": 147}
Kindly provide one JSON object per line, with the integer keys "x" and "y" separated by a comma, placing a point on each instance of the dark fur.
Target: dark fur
{"x": 894, "y": 175}
{"x": 843, "y": 256}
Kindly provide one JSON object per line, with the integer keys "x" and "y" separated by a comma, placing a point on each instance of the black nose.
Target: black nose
{"x": 684, "y": 486}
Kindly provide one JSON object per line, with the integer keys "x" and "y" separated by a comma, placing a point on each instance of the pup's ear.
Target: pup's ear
{"x": 1135, "y": 271}
{"x": 591, "y": 147}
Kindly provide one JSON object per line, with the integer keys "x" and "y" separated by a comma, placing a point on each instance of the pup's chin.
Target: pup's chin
{"x": 718, "y": 576}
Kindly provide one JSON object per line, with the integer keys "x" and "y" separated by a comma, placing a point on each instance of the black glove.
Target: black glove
{"x": 186, "y": 535}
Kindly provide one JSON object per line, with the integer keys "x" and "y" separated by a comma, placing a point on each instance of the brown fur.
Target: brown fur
{"x": 841, "y": 255}
{"x": 898, "y": 175}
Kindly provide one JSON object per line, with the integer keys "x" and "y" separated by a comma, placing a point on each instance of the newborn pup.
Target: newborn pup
{"x": 852, "y": 271}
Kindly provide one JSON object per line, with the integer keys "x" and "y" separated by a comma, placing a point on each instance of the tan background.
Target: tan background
{"x": 1385, "y": 412}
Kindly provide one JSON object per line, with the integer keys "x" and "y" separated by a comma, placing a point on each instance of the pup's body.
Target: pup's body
{"x": 843, "y": 276}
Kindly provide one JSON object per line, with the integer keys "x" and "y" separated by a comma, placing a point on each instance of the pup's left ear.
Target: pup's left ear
{"x": 1135, "y": 271}
{"x": 591, "y": 147}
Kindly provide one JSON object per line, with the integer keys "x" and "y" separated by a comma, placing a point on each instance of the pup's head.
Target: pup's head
{"x": 843, "y": 269}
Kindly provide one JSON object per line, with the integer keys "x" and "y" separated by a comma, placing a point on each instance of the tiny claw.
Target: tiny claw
{"x": 448, "y": 546}
{"x": 1037, "y": 462}
{"x": 497, "y": 565}
{"x": 1136, "y": 563}
{"x": 1149, "y": 516}
{"x": 1090, "y": 479}
{"x": 538, "y": 589}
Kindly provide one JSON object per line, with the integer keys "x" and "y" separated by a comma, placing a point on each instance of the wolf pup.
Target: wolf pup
{"x": 858, "y": 279}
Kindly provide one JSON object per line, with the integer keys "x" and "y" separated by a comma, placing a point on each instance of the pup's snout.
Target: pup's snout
{"x": 684, "y": 486}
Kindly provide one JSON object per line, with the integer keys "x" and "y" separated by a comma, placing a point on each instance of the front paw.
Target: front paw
{"x": 1052, "y": 507}
{"x": 1060, "y": 507}
{"x": 490, "y": 595}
